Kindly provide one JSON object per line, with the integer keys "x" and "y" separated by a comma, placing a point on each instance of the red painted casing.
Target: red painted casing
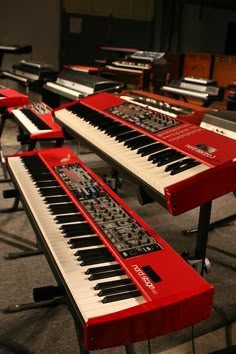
{"x": 220, "y": 156}
{"x": 12, "y": 98}
{"x": 182, "y": 298}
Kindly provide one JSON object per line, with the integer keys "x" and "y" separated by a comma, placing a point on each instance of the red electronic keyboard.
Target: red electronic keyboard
{"x": 167, "y": 105}
{"x": 123, "y": 282}
{"x": 10, "y": 98}
{"x": 176, "y": 162}
{"x": 37, "y": 123}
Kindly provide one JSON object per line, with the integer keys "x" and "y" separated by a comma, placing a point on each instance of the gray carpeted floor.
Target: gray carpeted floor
{"x": 51, "y": 330}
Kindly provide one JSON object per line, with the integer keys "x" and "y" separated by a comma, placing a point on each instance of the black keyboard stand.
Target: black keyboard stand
{"x": 202, "y": 237}
{"x": 43, "y": 297}
{"x": 2, "y": 158}
{"x": 54, "y": 296}
{"x": 13, "y": 208}
{"x": 12, "y": 193}
{"x": 198, "y": 260}
{"x": 16, "y": 255}
{"x": 4, "y": 116}
{"x": 219, "y": 223}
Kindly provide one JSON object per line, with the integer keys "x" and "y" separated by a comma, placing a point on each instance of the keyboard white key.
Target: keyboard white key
{"x": 13, "y": 76}
{"x": 27, "y": 75}
{"x": 62, "y": 90}
{"x": 76, "y": 86}
{"x": 31, "y": 127}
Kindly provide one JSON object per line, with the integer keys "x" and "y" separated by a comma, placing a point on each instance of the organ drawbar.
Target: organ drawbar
{"x": 123, "y": 282}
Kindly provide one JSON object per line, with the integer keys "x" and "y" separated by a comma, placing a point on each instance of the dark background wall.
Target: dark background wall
{"x": 59, "y": 38}
{"x": 205, "y": 28}
{"x": 31, "y": 22}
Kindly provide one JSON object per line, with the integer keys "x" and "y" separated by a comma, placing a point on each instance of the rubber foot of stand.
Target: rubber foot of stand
{"x": 197, "y": 263}
{"x": 23, "y": 254}
{"x": 33, "y": 305}
{"x": 10, "y": 210}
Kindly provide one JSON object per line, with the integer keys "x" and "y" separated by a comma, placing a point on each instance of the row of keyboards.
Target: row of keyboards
{"x": 110, "y": 286}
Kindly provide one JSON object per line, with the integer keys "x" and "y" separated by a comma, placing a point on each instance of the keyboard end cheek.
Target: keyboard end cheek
{"x": 201, "y": 188}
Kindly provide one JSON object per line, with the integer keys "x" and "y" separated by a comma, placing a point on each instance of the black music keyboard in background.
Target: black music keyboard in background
{"x": 72, "y": 84}
{"x": 13, "y": 49}
{"x": 31, "y": 73}
{"x": 172, "y": 159}
{"x": 123, "y": 282}
{"x": 194, "y": 89}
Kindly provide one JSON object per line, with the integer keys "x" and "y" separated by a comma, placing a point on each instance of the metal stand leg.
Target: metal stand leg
{"x": 202, "y": 237}
{"x": 14, "y": 207}
{"x": 219, "y": 223}
{"x": 43, "y": 297}
{"x": 59, "y": 142}
{"x": 114, "y": 182}
{"x": 3, "y": 164}
{"x": 81, "y": 340}
{"x": 16, "y": 255}
{"x": 13, "y": 193}
{"x": 129, "y": 349}
{"x": 33, "y": 305}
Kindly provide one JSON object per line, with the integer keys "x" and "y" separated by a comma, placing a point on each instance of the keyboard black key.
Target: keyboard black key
{"x": 153, "y": 147}
{"x": 103, "y": 269}
{"x": 117, "y": 290}
{"x": 139, "y": 142}
{"x": 111, "y": 284}
{"x": 97, "y": 260}
{"x": 57, "y": 199}
{"x": 42, "y": 184}
{"x": 68, "y": 218}
{"x": 122, "y": 296}
{"x": 63, "y": 208}
{"x": 84, "y": 242}
{"x": 104, "y": 275}
{"x": 45, "y": 192}
{"x": 86, "y": 257}
{"x": 185, "y": 167}
{"x": 169, "y": 158}
{"x": 129, "y": 135}
{"x": 91, "y": 252}
{"x": 41, "y": 125}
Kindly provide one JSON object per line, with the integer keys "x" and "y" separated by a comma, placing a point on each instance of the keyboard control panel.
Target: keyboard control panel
{"x": 126, "y": 235}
